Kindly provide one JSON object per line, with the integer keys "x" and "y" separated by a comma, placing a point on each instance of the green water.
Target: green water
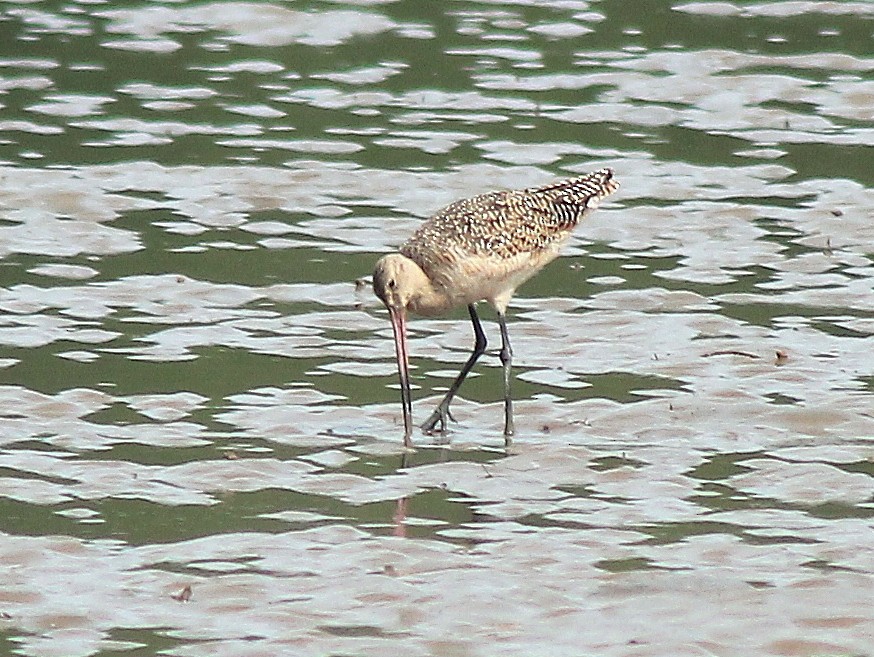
{"x": 196, "y": 392}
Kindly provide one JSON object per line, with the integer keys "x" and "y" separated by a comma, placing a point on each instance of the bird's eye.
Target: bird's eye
{"x": 392, "y": 284}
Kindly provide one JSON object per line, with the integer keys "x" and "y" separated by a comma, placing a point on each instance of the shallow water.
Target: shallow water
{"x": 201, "y": 443}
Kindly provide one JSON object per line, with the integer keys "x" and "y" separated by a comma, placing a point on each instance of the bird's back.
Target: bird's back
{"x": 506, "y": 229}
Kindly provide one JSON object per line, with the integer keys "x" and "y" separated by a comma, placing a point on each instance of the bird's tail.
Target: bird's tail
{"x": 586, "y": 190}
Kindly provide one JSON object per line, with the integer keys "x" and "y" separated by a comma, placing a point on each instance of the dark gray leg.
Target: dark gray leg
{"x": 507, "y": 361}
{"x": 441, "y": 413}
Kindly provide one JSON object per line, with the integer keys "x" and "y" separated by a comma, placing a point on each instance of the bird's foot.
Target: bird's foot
{"x": 439, "y": 416}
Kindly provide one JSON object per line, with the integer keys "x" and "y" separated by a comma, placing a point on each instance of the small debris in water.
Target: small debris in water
{"x": 231, "y": 455}
{"x": 184, "y": 595}
{"x": 782, "y": 357}
{"x": 730, "y": 352}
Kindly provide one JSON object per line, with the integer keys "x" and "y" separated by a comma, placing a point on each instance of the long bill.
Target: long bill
{"x": 399, "y": 327}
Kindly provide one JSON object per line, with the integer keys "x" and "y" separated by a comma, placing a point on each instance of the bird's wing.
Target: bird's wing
{"x": 497, "y": 223}
{"x": 505, "y": 224}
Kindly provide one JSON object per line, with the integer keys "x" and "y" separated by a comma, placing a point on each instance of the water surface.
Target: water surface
{"x": 201, "y": 435}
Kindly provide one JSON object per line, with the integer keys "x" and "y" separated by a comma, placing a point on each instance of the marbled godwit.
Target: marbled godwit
{"x": 480, "y": 249}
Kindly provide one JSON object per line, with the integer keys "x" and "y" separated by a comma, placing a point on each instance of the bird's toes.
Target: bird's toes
{"x": 438, "y": 418}
{"x": 430, "y": 423}
{"x": 434, "y": 430}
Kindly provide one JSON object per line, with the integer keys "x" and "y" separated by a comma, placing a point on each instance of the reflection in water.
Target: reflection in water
{"x": 400, "y": 517}
{"x": 184, "y": 209}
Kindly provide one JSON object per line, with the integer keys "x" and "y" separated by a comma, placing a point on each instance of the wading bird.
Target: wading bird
{"x": 480, "y": 249}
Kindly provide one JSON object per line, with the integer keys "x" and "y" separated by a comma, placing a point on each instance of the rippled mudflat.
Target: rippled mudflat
{"x": 200, "y": 440}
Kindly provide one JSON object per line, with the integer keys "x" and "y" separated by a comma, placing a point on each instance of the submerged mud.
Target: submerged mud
{"x": 201, "y": 431}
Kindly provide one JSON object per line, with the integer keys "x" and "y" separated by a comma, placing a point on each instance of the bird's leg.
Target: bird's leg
{"x": 479, "y": 347}
{"x": 507, "y": 361}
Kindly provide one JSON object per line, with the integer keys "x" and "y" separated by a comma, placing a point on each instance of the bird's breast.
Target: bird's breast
{"x": 470, "y": 278}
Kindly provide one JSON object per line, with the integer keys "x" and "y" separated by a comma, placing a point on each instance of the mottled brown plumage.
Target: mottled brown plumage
{"x": 481, "y": 249}
{"x": 505, "y": 223}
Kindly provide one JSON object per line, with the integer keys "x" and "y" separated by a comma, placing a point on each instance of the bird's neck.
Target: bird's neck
{"x": 425, "y": 298}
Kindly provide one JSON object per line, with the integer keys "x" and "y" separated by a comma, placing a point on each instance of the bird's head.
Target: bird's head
{"x": 395, "y": 281}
